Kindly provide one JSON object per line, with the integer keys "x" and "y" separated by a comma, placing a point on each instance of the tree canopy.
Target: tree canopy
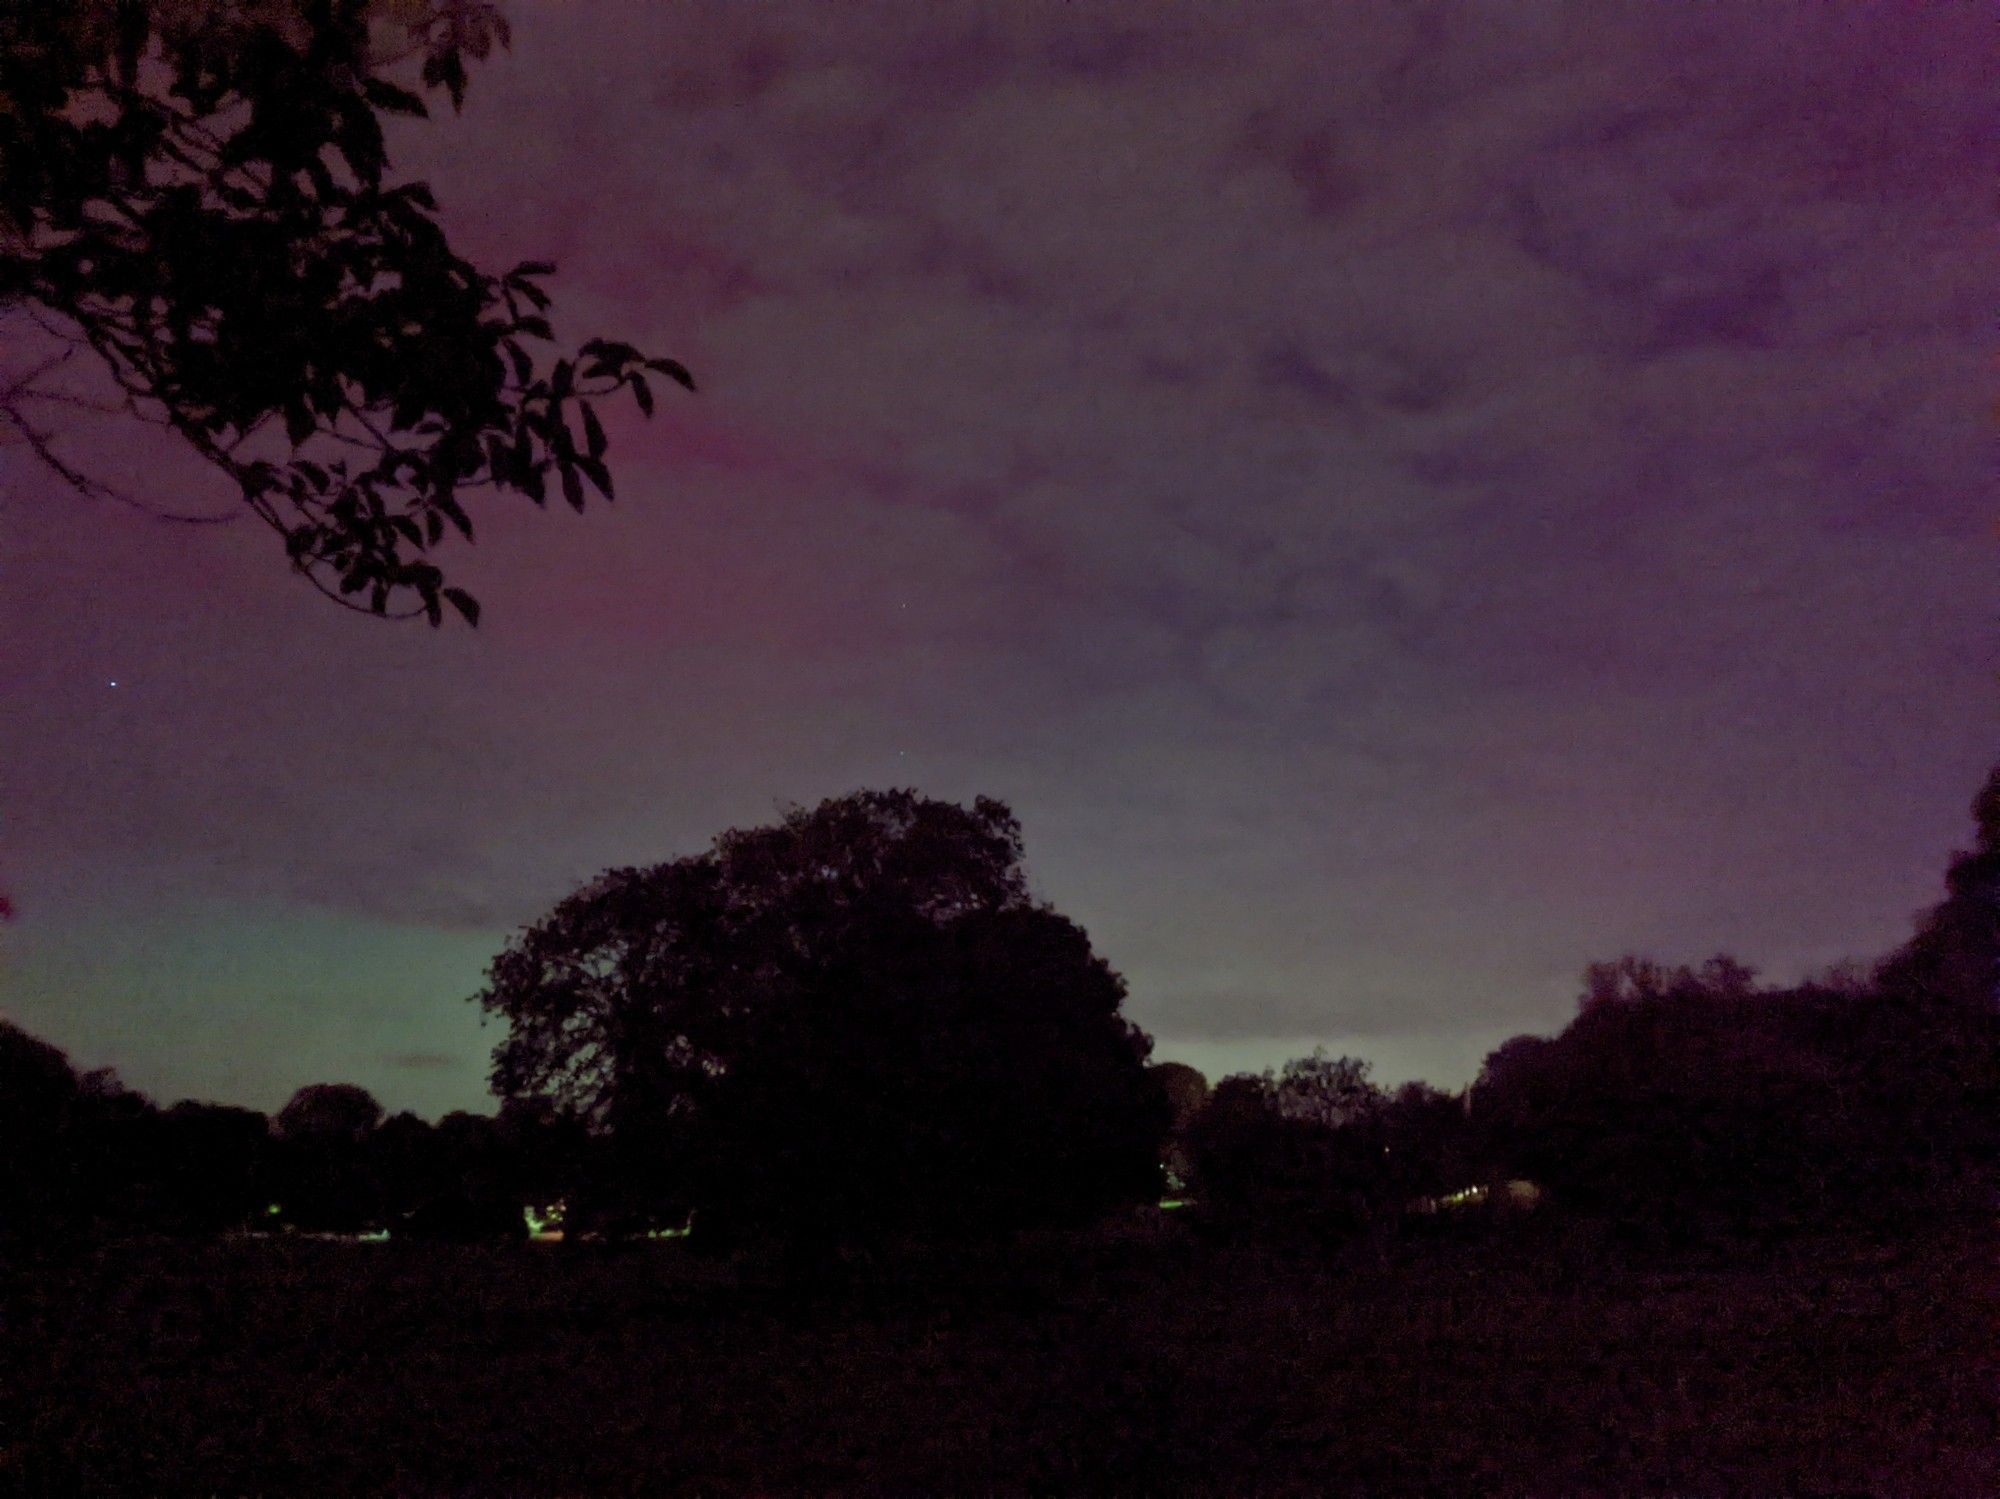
{"x": 328, "y": 1113}
{"x": 1954, "y": 958}
{"x": 197, "y": 195}
{"x": 854, "y": 1019}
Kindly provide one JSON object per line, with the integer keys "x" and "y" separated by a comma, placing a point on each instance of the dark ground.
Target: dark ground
{"x": 1134, "y": 1362}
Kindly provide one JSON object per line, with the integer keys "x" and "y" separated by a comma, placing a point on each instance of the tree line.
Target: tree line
{"x": 858, "y": 1023}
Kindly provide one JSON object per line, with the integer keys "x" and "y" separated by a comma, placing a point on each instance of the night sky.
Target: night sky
{"x": 1402, "y": 500}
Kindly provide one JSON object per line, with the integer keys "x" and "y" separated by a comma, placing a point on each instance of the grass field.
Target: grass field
{"x": 1143, "y": 1362}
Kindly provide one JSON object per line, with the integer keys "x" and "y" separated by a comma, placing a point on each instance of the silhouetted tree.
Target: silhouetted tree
{"x": 196, "y": 195}
{"x": 1954, "y": 958}
{"x": 1694, "y": 1103}
{"x": 339, "y": 1113}
{"x": 1186, "y": 1094}
{"x": 1323, "y": 1090}
{"x": 403, "y": 1155}
{"x": 551, "y": 1151}
{"x": 326, "y": 1177}
{"x": 215, "y": 1165}
{"x": 476, "y": 1189}
{"x": 852, "y": 1021}
{"x": 1302, "y": 1150}
{"x": 1429, "y": 1148}
{"x": 38, "y": 1100}
{"x": 115, "y": 1146}
{"x": 1184, "y": 1088}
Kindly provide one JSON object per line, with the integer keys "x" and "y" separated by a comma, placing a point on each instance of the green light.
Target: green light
{"x": 273, "y": 1210}
{"x": 1168, "y": 1204}
{"x": 544, "y": 1219}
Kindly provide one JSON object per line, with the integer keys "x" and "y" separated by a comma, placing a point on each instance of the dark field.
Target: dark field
{"x": 1135, "y": 1362}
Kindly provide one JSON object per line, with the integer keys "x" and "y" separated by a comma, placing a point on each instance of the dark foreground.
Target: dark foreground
{"x": 1127, "y": 1362}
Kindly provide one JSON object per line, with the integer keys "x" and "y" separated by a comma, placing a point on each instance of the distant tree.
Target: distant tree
{"x": 325, "y": 1166}
{"x": 1700, "y": 1104}
{"x": 195, "y": 195}
{"x": 115, "y": 1143}
{"x": 1323, "y": 1090}
{"x": 477, "y": 1192}
{"x": 215, "y": 1163}
{"x": 403, "y": 1153}
{"x": 1186, "y": 1093}
{"x": 459, "y": 1179}
{"x": 1954, "y": 958}
{"x": 1184, "y": 1088}
{"x": 38, "y": 1102}
{"x": 1297, "y": 1151}
{"x": 1636, "y": 980}
{"x": 552, "y": 1153}
{"x": 1429, "y": 1148}
{"x": 853, "y": 1021}
{"x": 329, "y": 1112}
{"x": 1247, "y": 1159}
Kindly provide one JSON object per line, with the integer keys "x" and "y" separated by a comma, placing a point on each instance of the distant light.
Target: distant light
{"x": 114, "y": 684}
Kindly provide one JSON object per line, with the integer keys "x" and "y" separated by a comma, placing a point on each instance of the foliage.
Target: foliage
{"x": 198, "y": 194}
{"x": 328, "y": 1112}
{"x": 1697, "y": 1105}
{"x": 38, "y": 1097}
{"x": 1324, "y": 1091}
{"x": 1317, "y": 1149}
{"x": 458, "y": 1179}
{"x": 850, "y": 1021}
{"x": 1954, "y": 958}
{"x": 214, "y": 1167}
{"x": 1184, "y": 1088}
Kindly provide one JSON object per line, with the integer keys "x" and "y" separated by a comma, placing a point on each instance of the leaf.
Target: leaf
{"x": 465, "y": 604}
{"x": 674, "y": 370}
{"x": 455, "y": 513}
{"x": 447, "y": 68}
{"x": 593, "y": 432}
{"x": 390, "y": 99}
{"x": 572, "y": 487}
{"x": 643, "y": 394}
{"x": 524, "y": 367}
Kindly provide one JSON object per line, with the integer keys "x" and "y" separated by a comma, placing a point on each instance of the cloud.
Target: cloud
{"x": 423, "y": 1061}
